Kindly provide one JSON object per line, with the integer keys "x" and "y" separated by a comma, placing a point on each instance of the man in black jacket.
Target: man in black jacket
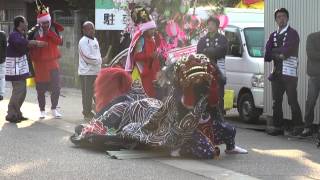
{"x": 3, "y": 46}
{"x": 215, "y": 46}
{"x": 313, "y": 70}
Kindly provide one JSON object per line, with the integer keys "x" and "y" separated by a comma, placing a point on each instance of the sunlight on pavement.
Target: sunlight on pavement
{"x": 295, "y": 155}
{"x": 20, "y": 168}
{"x": 25, "y": 124}
{"x": 29, "y": 110}
{"x": 2, "y": 122}
{"x": 286, "y": 153}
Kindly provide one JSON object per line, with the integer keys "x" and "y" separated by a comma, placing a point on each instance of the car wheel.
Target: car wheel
{"x": 247, "y": 110}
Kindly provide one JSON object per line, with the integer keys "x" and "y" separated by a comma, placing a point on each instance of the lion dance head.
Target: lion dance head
{"x": 194, "y": 76}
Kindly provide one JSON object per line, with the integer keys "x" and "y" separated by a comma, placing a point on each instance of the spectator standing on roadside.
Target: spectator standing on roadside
{"x": 89, "y": 66}
{"x": 17, "y": 69}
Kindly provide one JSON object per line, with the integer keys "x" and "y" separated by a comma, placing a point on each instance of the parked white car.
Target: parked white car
{"x": 245, "y": 68}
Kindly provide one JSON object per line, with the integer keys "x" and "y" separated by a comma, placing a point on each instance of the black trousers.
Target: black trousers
{"x": 53, "y": 86}
{"x": 279, "y": 87}
{"x": 87, "y": 88}
{"x": 313, "y": 94}
{"x": 221, "y": 96}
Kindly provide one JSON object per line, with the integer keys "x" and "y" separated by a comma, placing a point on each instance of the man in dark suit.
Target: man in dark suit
{"x": 313, "y": 70}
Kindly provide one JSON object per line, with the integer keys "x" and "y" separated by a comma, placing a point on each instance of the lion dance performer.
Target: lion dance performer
{"x": 46, "y": 59}
{"x": 179, "y": 124}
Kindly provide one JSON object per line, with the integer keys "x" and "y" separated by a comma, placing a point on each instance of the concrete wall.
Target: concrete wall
{"x": 69, "y": 50}
{"x": 304, "y": 17}
{"x": 69, "y": 58}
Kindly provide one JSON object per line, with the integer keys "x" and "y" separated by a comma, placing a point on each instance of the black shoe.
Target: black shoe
{"x": 306, "y": 133}
{"x": 1, "y": 98}
{"x": 13, "y": 120}
{"x": 275, "y": 132}
{"x": 296, "y": 131}
{"x": 23, "y": 118}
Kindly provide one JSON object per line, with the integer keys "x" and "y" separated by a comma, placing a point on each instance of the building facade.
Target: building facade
{"x": 8, "y": 10}
{"x": 304, "y": 17}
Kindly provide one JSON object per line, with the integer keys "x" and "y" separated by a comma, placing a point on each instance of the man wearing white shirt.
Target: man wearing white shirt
{"x": 89, "y": 66}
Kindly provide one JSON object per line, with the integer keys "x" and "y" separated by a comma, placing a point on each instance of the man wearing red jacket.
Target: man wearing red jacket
{"x": 46, "y": 62}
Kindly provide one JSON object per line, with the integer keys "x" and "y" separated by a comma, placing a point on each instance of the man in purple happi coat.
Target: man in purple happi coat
{"x": 17, "y": 68}
{"x": 282, "y": 49}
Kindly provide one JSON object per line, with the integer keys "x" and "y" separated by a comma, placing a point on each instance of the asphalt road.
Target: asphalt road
{"x": 38, "y": 151}
{"x": 41, "y": 150}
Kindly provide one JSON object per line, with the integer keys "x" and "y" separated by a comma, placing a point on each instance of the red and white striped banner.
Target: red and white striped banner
{"x": 175, "y": 54}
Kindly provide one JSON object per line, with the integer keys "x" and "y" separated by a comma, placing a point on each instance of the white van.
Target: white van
{"x": 245, "y": 68}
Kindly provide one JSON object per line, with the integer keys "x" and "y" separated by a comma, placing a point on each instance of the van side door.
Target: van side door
{"x": 236, "y": 70}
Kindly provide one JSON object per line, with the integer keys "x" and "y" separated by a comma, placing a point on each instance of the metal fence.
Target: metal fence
{"x": 6, "y": 18}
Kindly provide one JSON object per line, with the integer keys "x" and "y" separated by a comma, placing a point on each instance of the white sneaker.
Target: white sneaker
{"x": 237, "y": 150}
{"x": 56, "y": 114}
{"x": 42, "y": 115}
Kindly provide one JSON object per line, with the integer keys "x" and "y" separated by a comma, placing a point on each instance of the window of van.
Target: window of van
{"x": 255, "y": 41}
{"x": 234, "y": 43}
